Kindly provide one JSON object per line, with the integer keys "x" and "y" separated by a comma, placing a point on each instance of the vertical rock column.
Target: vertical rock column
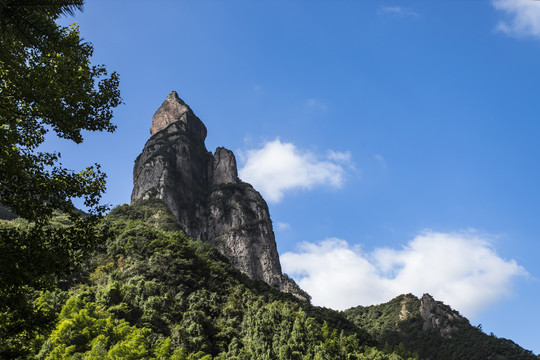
{"x": 204, "y": 193}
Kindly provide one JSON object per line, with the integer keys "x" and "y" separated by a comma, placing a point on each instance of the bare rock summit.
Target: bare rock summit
{"x": 174, "y": 110}
{"x": 204, "y": 193}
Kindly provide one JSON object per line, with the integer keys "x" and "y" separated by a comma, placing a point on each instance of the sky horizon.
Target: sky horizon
{"x": 394, "y": 141}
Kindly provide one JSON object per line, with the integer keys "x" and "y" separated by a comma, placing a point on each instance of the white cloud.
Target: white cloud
{"x": 280, "y": 167}
{"x": 524, "y": 17}
{"x": 461, "y": 269}
{"x": 398, "y": 11}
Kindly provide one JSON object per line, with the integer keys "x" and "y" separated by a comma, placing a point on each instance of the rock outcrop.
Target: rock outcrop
{"x": 204, "y": 193}
{"x": 440, "y": 317}
{"x": 432, "y": 330}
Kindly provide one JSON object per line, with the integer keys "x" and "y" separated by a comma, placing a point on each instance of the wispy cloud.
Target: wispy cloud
{"x": 277, "y": 167}
{"x": 398, "y": 11}
{"x": 283, "y": 226}
{"x": 381, "y": 160}
{"x": 523, "y": 17}
{"x": 342, "y": 157}
{"x": 461, "y": 269}
{"x": 317, "y": 104}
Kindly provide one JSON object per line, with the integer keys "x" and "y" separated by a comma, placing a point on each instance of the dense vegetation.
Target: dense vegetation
{"x": 152, "y": 292}
{"x": 399, "y": 322}
{"x": 49, "y": 86}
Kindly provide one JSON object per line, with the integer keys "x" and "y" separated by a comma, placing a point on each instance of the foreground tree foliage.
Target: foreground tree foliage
{"x": 47, "y": 85}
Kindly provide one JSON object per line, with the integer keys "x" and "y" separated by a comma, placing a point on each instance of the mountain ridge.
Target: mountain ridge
{"x": 432, "y": 329}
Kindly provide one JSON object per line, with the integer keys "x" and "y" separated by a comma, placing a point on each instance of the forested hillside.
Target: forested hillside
{"x": 151, "y": 292}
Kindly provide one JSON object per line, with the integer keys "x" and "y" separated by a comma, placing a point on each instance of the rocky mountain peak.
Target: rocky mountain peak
{"x": 174, "y": 109}
{"x": 204, "y": 193}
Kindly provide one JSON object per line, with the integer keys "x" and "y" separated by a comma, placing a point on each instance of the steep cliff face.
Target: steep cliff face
{"x": 204, "y": 193}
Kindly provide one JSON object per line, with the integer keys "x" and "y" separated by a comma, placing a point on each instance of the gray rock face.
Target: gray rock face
{"x": 440, "y": 317}
{"x": 204, "y": 193}
{"x": 224, "y": 167}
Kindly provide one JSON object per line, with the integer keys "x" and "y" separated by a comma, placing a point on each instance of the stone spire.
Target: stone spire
{"x": 204, "y": 193}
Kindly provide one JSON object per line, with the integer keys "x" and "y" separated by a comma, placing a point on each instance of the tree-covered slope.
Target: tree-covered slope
{"x": 151, "y": 292}
{"x": 432, "y": 330}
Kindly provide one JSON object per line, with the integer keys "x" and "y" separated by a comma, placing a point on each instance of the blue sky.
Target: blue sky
{"x": 397, "y": 142}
